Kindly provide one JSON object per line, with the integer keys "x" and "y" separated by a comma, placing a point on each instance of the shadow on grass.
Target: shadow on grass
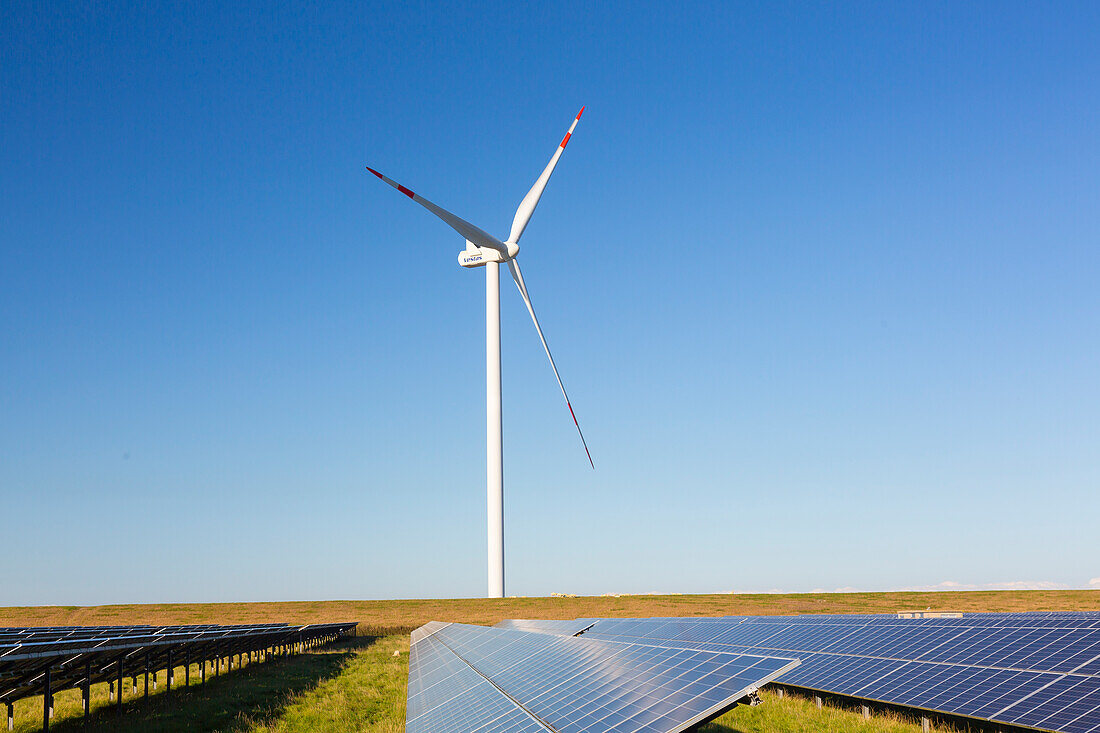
{"x": 715, "y": 727}
{"x": 235, "y": 701}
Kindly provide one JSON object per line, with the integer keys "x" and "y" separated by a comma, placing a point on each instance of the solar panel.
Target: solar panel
{"x": 474, "y": 678}
{"x": 37, "y": 661}
{"x": 561, "y": 628}
{"x": 1035, "y": 670}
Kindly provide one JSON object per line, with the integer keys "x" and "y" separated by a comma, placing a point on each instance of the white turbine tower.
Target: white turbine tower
{"x": 485, "y": 250}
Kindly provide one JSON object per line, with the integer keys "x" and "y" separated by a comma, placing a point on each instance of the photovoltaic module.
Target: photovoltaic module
{"x": 474, "y": 678}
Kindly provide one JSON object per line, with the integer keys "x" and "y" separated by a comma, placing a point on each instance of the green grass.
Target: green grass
{"x": 369, "y": 694}
{"x": 356, "y": 684}
{"x": 794, "y": 713}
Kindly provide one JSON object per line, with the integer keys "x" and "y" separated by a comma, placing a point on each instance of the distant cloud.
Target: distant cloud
{"x": 1094, "y": 583}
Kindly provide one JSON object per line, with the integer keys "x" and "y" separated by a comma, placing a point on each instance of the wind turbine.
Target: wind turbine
{"x": 485, "y": 250}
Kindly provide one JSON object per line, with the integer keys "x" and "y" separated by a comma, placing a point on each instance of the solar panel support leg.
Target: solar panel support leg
{"x": 168, "y": 674}
{"x": 187, "y": 669}
{"x": 118, "y": 710}
{"x": 86, "y": 693}
{"x": 11, "y": 716}
{"x": 133, "y": 685}
{"x": 818, "y": 701}
{"x": 779, "y": 692}
{"x": 925, "y": 724}
{"x": 202, "y": 671}
{"x": 146, "y": 676}
{"x": 47, "y": 708}
{"x": 866, "y": 712}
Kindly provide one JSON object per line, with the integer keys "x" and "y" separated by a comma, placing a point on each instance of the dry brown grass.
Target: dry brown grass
{"x": 401, "y": 615}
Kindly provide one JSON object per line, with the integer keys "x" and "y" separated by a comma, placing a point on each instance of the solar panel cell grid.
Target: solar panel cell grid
{"x": 1077, "y": 715}
{"x": 1047, "y": 701}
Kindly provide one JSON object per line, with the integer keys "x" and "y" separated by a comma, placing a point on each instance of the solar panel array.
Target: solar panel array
{"x": 473, "y": 678}
{"x": 1034, "y": 670}
{"x": 34, "y": 659}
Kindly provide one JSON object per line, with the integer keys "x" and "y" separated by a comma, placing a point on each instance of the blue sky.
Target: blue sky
{"x": 820, "y": 279}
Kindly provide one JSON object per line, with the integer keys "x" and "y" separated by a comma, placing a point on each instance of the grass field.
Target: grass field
{"x": 384, "y": 616}
{"x": 359, "y": 684}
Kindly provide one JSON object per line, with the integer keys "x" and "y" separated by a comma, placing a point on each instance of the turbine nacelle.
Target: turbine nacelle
{"x": 474, "y": 256}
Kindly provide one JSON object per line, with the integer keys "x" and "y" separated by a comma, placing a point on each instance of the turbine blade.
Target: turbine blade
{"x": 517, "y": 275}
{"x": 531, "y": 200}
{"x": 468, "y": 231}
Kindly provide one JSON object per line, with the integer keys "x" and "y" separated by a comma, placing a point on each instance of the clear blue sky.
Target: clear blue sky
{"x": 821, "y": 280}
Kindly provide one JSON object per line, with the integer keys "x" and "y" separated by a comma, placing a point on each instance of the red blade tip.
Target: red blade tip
{"x": 581, "y": 112}
{"x": 583, "y": 441}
